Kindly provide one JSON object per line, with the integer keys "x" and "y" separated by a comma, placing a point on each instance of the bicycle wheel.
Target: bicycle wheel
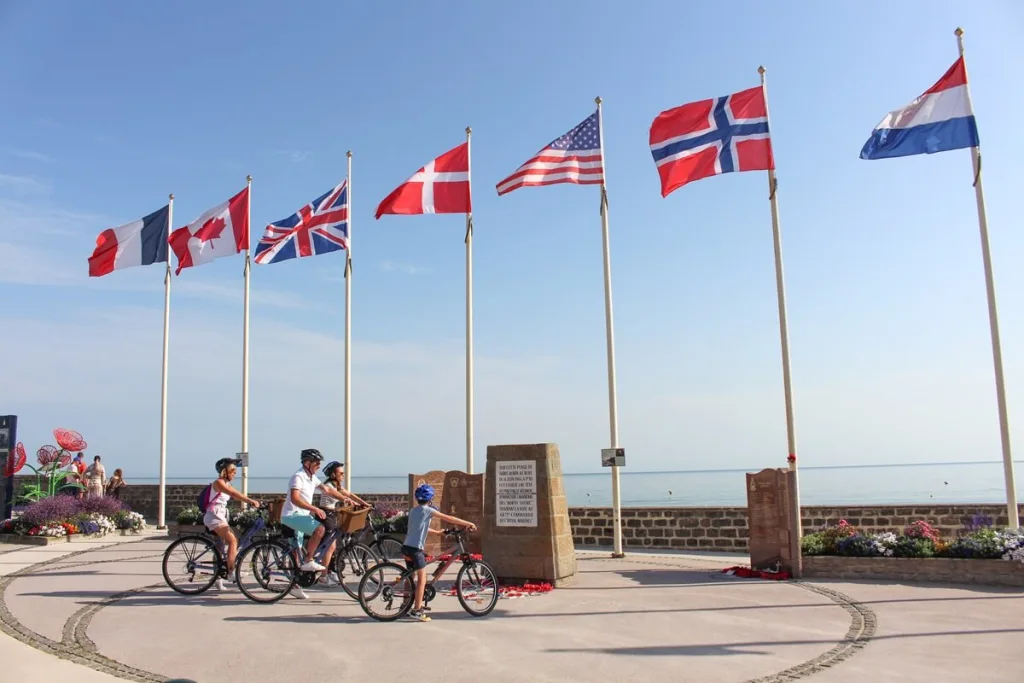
{"x": 387, "y": 549}
{"x": 351, "y": 564}
{"x": 382, "y": 587}
{"x": 476, "y": 585}
{"x": 195, "y": 562}
{"x": 266, "y": 571}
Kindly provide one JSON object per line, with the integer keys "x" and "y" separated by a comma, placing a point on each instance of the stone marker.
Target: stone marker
{"x": 771, "y": 512}
{"x": 435, "y": 478}
{"x": 464, "y": 498}
{"x": 526, "y": 521}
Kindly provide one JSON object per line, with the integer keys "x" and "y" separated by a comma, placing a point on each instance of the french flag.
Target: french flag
{"x": 139, "y": 243}
{"x": 940, "y": 120}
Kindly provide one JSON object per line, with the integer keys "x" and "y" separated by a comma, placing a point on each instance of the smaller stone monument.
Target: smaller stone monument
{"x": 526, "y": 520}
{"x": 464, "y": 498}
{"x": 771, "y": 513}
{"x": 435, "y": 478}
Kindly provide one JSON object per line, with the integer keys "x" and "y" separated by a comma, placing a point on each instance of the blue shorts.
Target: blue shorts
{"x": 414, "y": 557}
{"x": 304, "y": 525}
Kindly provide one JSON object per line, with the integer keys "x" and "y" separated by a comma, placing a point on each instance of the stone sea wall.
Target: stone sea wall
{"x": 722, "y": 529}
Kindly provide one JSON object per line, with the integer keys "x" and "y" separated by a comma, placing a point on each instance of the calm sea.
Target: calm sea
{"x": 975, "y": 482}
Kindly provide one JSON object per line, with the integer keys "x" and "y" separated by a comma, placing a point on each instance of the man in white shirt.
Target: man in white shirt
{"x": 299, "y": 513}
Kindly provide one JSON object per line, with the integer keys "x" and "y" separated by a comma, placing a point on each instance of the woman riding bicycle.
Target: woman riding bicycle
{"x": 332, "y": 491}
{"x": 216, "y": 517}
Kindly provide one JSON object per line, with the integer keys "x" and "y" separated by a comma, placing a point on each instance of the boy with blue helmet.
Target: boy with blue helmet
{"x": 416, "y": 538}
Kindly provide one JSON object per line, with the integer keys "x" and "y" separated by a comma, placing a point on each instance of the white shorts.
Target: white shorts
{"x": 214, "y": 521}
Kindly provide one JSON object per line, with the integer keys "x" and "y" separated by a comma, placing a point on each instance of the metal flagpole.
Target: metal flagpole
{"x": 348, "y": 334}
{"x": 780, "y": 289}
{"x": 993, "y": 319}
{"x": 613, "y": 410}
{"x": 469, "y": 314}
{"x": 245, "y": 350}
{"x": 162, "y": 497}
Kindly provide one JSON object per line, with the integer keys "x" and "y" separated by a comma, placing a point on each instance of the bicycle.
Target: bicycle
{"x": 206, "y": 556}
{"x": 275, "y": 566}
{"x": 385, "y": 547}
{"x": 480, "y": 577}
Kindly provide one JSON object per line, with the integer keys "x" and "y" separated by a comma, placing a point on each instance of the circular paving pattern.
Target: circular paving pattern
{"x": 622, "y": 617}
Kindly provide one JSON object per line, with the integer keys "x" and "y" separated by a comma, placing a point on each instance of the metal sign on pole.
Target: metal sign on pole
{"x": 8, "y": 439}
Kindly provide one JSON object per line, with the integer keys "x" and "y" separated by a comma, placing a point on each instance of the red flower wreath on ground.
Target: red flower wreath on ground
{"x": 748, "y": 573}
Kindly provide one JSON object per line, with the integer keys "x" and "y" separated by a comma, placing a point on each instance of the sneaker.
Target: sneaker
{"x": 219, "y": 585}
{"x": 312, "y": 566}
{"x": 299, "y": 593}
{"x": 418, "y": 615}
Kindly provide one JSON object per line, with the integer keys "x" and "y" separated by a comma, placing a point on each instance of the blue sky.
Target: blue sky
{"x": 113, "y": 106}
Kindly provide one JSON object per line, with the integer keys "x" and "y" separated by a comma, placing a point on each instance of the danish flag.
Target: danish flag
{"x": 442, "y": 186}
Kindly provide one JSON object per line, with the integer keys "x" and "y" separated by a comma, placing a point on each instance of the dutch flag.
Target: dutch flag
{"x": 940, "y": 120}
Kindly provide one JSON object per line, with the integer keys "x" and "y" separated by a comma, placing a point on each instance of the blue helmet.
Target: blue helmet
{"x": 424, "y": 493}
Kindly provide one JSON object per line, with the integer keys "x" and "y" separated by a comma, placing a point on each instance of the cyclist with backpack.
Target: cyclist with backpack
{"x": 214, "y": 502}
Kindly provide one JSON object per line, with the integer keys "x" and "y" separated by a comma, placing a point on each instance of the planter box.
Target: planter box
{"x": 915, "y": 569}
{"x": 32, "y": 540}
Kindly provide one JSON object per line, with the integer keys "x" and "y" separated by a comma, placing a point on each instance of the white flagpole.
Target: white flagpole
{"x": 613, "y": 410}
{"x": 469, "y": 316}
{"x": 348, "y": 334}
{"x": 161, "y": 522}
{"x": 780, "y": 290}
{"x": 245, "y": 349}
{"x": 993, "y": 319}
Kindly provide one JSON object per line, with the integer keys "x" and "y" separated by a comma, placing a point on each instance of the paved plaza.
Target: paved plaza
{"x": 99, "y": 611}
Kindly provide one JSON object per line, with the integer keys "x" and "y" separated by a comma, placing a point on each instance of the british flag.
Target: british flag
{"x": 317, "y": 228}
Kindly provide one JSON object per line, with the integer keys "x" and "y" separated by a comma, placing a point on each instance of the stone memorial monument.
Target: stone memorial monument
{"x": 526, "y": 532}
{"x": 435, "y": 478}
{"x": 771, "y": 513}
{"x": 464, "y": 498}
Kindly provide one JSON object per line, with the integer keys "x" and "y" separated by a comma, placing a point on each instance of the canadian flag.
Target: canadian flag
{"x": 442, "y": 186}
{"x": 221, "y": 231}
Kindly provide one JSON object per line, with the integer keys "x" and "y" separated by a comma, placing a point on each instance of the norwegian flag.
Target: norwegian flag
{"x": 721, "y": 135}
{"x": 442, "y": 186}
{"x": 317, "y": 228}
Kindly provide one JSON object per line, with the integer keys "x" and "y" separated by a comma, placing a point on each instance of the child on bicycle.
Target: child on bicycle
{"x": 415, "y": 539}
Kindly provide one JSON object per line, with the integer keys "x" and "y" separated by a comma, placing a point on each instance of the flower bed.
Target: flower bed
{"x": 980, "y": 554}
{"x": 60, "y": 517}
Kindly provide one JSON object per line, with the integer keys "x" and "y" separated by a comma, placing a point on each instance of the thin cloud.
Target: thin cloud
{"x": 392, "y": 267}
{"x": 296, "y": 156}
{"x": 23, "y": 184}
{"x": 32, "y": 156}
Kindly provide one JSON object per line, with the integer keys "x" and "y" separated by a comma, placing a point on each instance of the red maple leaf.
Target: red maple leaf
{"x": 211, "y": 229}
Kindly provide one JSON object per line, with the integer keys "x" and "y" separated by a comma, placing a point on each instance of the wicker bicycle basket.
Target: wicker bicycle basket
{"x": 351, "y": 520}
{"x": 274, "y": 510}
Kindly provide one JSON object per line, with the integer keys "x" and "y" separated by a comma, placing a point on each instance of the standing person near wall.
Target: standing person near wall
{"x": 97, "y": 478}
{"x": 115, "y": 484}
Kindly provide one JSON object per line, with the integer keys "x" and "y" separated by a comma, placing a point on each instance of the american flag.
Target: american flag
{"x": 317, "y": 228}
{"x": 573, "y": 158}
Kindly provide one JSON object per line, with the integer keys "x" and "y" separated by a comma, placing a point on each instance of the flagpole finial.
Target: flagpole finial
{"x": 349, "y": 154}
{"x": 958, "y": 32}
{"x": 171, "y": 196}
{"x": 248, "y": 178}
{"x": 598, "y": 100}
{"x": 761, "y": 70}
{"x": 469, "y": 131}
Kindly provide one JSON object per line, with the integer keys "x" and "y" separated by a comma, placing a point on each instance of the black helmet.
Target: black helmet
{"x": 331, "y": 466}
{"x": 310, "y": 454}
{"x": 223, "y": 463}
